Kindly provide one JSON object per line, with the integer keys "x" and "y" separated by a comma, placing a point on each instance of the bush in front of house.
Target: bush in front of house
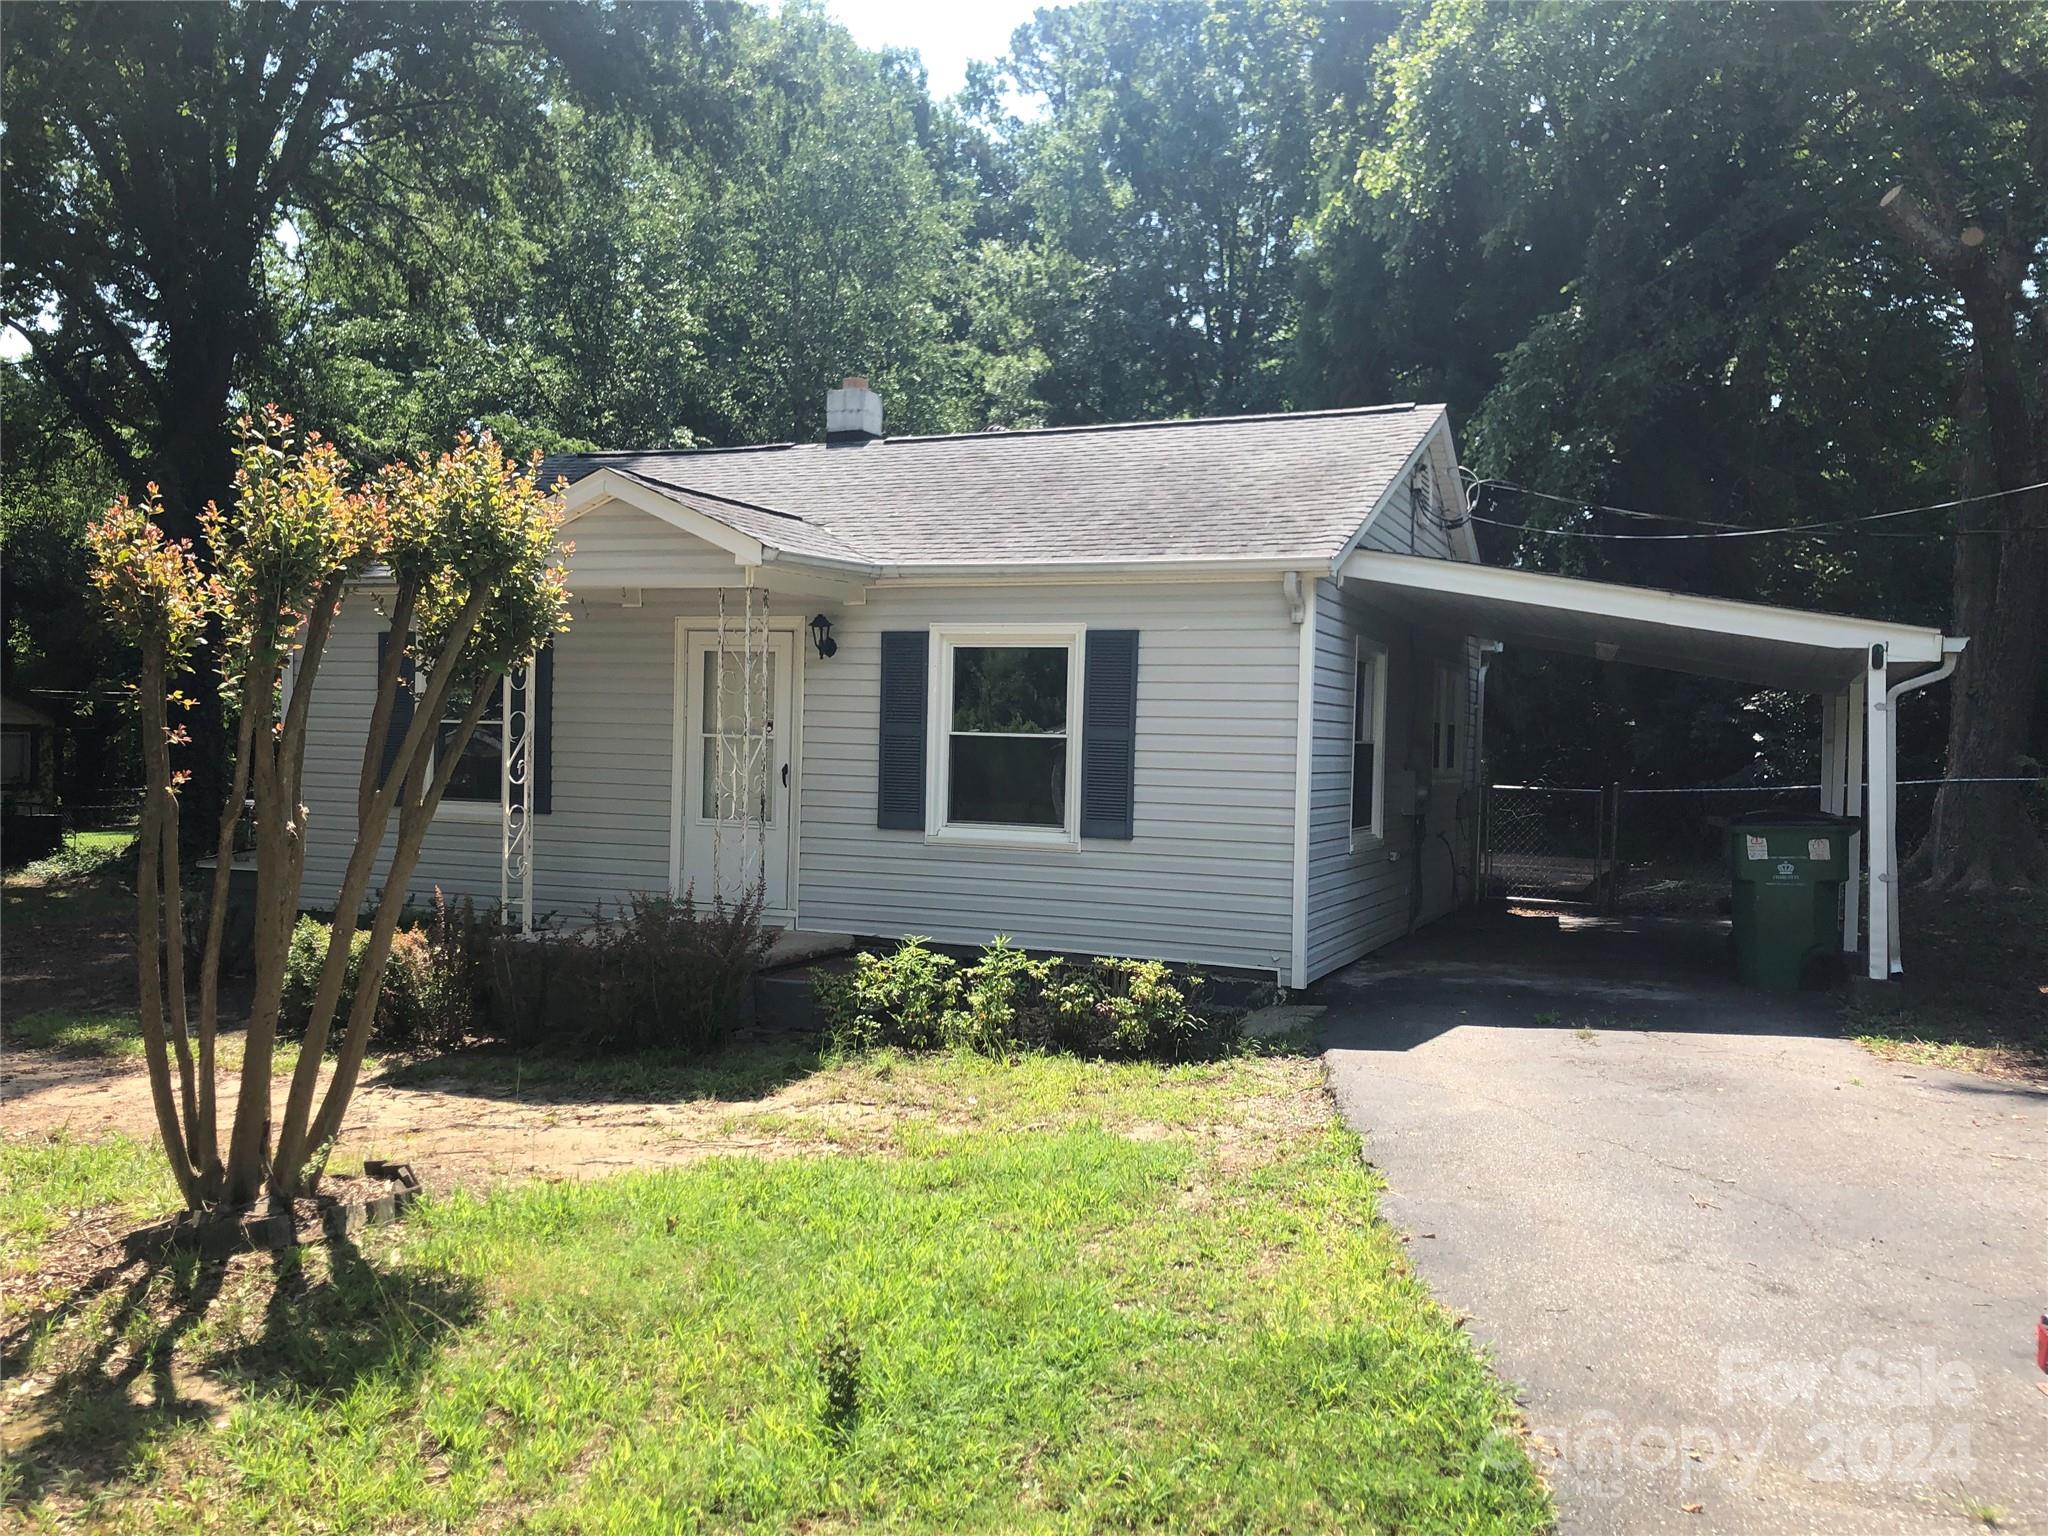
{"x": 663, "y": 973}
{"x": 434, "y": 994}
{"x": 919, "y": 999}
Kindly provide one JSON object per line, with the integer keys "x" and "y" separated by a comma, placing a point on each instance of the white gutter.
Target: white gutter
{"x": 1080, "y": 570}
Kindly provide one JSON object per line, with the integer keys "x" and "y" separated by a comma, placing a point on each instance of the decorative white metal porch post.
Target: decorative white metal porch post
{"x": 515, "y": 800}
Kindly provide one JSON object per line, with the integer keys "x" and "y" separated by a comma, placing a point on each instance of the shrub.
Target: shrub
{"x": 429, "y": 1000}
{"x": 904, "y": 998}
{"x": 1007, "y": 1000}
{"x": 1115, "y": 1007}
{"x": 665, "y": 973}
{"x": 454, "y": 996}
{"x": 303, "y": 957}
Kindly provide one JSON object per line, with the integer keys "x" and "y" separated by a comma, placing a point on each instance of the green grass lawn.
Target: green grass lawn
{"x": 47, "y": 1182}
{"x": 962, "y": 1295}
{"x": 80, "y": 880}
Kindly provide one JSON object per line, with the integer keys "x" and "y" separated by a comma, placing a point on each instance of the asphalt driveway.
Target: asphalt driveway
{"x": 1746, "y": 1277}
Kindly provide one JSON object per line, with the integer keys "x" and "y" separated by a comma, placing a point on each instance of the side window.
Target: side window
{"x": 1368, "y": 721}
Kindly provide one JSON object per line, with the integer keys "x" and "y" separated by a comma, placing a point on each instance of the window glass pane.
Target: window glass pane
{"x": 1008, "y": 780}
{"x": 1011, "y": 688}
{"x": 736, "y": 767}
{"x": 733, "y": 777}
{"x": 1361, "y": 784}
{"x": 15, "y": 756}
{"x": 1362, "y": 696}
{"x": 480, "y": 774}
{"x": 726, "y": 707}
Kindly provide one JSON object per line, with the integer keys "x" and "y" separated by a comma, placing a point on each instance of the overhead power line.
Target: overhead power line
{"x": 1719, "y": 530}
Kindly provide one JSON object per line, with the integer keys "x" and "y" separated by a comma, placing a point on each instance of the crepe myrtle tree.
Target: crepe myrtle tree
{"x": 475, "y": 588}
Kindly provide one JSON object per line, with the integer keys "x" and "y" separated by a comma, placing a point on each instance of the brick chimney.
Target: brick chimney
{"x": 853, "y": 412}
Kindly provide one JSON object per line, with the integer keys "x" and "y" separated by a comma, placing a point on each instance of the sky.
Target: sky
{"x": 947, "y": 33}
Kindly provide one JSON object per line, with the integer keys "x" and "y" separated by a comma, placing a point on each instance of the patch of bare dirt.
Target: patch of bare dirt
{"x": 453, "y": 1132}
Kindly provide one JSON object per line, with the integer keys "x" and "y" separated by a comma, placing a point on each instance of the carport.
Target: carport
{"x": 1859, "y": 668}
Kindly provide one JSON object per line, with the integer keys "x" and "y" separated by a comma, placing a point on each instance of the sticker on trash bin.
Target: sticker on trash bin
{"x": 1787, "y": 869}
{"x": 1819, "y": 849}
{"x": 1758, "y": 847}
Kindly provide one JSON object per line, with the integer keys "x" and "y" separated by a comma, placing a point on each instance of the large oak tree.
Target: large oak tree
{"x": 155, "y": 152}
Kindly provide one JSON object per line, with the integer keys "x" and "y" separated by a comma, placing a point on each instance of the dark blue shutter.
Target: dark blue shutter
{"x": 906, "y": 664}
{"x": 401, "y": 708}
{"x": 541, "y": 725}
{"x": 1109, "y": 733}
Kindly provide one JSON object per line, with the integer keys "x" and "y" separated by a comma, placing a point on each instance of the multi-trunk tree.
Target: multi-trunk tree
{"x": 461, "y": 550}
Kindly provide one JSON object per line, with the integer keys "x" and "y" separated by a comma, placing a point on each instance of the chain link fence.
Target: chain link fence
{"x": 1547, "y": 842}
{"x": 1655, "y": 850}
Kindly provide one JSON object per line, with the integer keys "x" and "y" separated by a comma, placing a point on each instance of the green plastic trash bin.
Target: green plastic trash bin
{"x": 1788, "y": 871}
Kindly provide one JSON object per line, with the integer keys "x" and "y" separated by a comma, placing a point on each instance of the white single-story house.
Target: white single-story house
{"x": 1202, "y": 690}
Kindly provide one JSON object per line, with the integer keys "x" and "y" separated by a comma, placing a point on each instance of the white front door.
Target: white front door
{"x": 735, "y": 796}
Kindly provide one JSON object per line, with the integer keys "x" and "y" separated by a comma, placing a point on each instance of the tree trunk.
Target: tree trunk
{"x": 1982, "y": 839}
{"x": 157, "y": 805}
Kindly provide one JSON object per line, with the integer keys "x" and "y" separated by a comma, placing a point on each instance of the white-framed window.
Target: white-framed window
{"x": 1005, "y": 719}
{"x": 1368, "y": 729}
{"x": 479, "y": 778}
{"x": 1447, "y": 713}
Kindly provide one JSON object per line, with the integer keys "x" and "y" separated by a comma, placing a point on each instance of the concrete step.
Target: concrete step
{"x": 784, "y": 1000}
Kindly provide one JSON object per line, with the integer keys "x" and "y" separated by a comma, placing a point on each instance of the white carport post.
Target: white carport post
{"x": 1833, "y": 708}
{"x": 1881, "y": 852}
{"x": 1852, "y": 805}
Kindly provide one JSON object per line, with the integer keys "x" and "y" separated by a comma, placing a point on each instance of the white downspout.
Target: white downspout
{"x": 1951, "y": 653}
{"x": 1301, "y": 596}
{"x": 1488, "y": 649}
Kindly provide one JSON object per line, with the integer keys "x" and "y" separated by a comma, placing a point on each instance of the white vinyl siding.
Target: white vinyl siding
{"x": 614, "y": 721}
{"x": 1361, "y": 888}
{"x": 1206, "y": 878}
{"x": 1207, "y": 874}
{"x": 1405, "y": 528}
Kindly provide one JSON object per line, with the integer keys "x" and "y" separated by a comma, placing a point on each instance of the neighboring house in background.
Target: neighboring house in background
{"x": 1205, "y": 691}
{"x": 28, "y": 754}
{"x": 28, "y": 780}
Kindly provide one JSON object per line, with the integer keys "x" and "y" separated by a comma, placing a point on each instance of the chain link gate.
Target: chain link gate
{"x": 1550, "y": 843}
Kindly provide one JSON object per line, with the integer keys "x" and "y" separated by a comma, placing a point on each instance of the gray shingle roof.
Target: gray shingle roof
{"x": 793, "y": 535}
{"x": 1222, "y": 488}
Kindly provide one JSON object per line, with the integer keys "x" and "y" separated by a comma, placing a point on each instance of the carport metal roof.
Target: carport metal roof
{"x": 1859, "y": 667}
{"x": 1710, "y": 636}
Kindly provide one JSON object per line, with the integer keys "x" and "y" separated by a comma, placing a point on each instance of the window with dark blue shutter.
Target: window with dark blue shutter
{"x": 401, "y": 707}
{"x": 479, "y": 778}
{"x": 905, "y": 694}
{"x": 1109, "y": 733}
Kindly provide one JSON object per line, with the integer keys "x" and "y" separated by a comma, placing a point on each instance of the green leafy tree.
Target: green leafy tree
{"x": 1165, "y": 187}
{"x": 469, "y": 540}
{"x": 154, "y": 152}
{"x": 1639, "y": 250}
